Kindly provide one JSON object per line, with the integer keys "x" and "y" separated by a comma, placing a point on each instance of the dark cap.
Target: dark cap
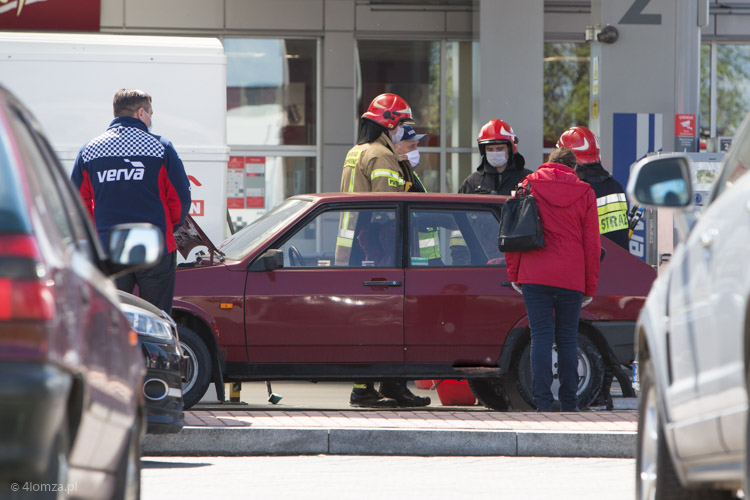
{"x": 410, "y": 134}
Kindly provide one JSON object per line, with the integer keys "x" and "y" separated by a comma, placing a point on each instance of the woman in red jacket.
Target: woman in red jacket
{"x": 560, "y": 278}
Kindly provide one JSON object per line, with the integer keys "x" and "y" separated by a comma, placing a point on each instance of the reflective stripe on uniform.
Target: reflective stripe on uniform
{"x": 613, "y": 212}
{"x": 457, "y": 239}
{"x": 390, "y": 174}
{"x": 352, "y": 158}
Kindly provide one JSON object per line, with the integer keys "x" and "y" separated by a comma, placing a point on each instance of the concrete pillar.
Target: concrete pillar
{"x": 652, "y": 69}
{"x": 511, "y": 51}
{"x": 338, "y": 92}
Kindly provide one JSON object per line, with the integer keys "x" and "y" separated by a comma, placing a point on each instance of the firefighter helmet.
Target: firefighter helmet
{"x": 583, "y": 143}
{"x": 497, "y": 132}
{"x": 389, "y": 110}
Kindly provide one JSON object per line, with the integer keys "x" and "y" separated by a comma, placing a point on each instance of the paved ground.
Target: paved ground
{"x": 312, "y": 425}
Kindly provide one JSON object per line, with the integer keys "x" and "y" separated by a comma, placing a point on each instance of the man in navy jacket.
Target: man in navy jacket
{"x": 127, "y": 174}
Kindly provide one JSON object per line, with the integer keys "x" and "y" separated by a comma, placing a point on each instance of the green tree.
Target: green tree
{"x": 732, "y": 87}
{"x": 566, "y": 88}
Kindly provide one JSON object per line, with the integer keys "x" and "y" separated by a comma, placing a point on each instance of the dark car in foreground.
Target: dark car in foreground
{"x": 162, "y": 386}
{"x": 71, "y": 415}
{"x": 348, "y": 286}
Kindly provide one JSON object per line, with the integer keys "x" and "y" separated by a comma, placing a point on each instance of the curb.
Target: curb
{"x": 229, "y": 441}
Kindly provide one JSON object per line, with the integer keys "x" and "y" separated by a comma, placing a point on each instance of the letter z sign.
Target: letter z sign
{"x": 635, "y": 14}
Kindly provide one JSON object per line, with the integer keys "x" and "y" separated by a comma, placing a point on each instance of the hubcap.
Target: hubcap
{"x": 584, "y": 372}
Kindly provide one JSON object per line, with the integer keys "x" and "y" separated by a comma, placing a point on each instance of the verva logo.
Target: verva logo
{"x": 196, "y": 208}
{"x": 62, "y": 15}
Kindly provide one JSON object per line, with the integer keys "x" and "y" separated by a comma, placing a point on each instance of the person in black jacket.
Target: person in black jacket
{"x": 502, "y": 166}
{"x": 610, "y": 197}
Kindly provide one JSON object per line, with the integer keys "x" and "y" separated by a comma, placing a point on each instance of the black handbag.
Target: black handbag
{"x": 520, "y": 226}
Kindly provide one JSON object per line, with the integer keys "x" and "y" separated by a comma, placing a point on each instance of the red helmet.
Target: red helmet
{"x": 497, "y": 132}
{"x": 388, "y": 110}
{"x": 583, "y": 143}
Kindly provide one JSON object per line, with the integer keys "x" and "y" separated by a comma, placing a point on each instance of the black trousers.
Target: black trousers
{"x": 155, "y": 284}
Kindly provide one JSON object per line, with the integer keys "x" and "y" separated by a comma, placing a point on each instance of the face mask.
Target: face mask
{"x": 398, "y": 135}
{"x": 152, "y": 124}
{"x": 497, "y": 158}
{"x": 413, "y": 157}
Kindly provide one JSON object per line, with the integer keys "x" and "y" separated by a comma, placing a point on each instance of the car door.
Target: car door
{"x": 339, "y": 296}
{"x": 724, "y": 236}
{"x": 459, "y": 306}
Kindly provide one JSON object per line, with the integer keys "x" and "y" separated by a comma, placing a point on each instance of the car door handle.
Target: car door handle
{"x": 708, "y": 237}
{"x": 381, "y": 283}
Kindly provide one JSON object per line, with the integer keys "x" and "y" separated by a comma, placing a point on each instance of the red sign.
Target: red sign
{"x": 196, "y": 208}
{"x": 59, "y": 15}
{"x": 684, "y": 125}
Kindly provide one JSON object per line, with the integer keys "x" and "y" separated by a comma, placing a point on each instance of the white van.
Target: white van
{"x": 68, "y": 81}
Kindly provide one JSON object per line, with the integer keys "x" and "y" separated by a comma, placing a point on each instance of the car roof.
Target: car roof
{"x": 404, "y": 197}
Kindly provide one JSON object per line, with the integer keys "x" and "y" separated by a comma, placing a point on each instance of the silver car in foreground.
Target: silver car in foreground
{"x": 692, "y": 334}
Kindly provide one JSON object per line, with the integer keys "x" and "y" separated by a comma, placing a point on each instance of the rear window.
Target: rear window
{"x": 13, "y": 217}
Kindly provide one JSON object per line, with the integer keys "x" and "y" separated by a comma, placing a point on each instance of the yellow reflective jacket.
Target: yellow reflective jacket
{"x": 375, "y": 167}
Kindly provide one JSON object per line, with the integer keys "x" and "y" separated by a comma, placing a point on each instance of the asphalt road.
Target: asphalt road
{"x": 435, "y": 478}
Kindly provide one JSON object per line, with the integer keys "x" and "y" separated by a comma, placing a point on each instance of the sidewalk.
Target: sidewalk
{"x": 442, "y": 431}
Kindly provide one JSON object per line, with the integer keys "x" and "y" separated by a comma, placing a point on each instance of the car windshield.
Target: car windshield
{"x": 237, "y": 246}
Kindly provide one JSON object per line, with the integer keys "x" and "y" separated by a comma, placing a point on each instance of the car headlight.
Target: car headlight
{"x": 147, "y": 324}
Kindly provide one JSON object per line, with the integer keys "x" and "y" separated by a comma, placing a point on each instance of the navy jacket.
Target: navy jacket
{"x": 130, "y": 175}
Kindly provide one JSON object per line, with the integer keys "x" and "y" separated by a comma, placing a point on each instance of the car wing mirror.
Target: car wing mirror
{"x": 662, "y": 182}
{"x": 665, "y": 181}
{"x": 133, "y": 247}
{"x": 270, "y": 260}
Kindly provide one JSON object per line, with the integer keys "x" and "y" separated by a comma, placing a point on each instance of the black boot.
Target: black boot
{"x": 397, "y": 390}
{"x": 364, "y": 395}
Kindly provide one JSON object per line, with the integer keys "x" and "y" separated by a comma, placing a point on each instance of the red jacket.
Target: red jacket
{"x": 570, "y": 257}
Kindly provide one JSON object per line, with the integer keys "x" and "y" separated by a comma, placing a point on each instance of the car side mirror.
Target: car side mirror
{"x": 270, "y": 260}
{"x": 662, "y": 181}
{"x": 133, "y": 247}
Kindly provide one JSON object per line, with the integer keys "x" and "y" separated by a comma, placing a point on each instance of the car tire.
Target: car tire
{"x": 490, "y": 393}
{"x": 655, "y": 475}
{"x": 197, "y": 366}
{"x": 57, "y": 465}
{"x": 591, "y": 373}
{"x": 128, "y": 477}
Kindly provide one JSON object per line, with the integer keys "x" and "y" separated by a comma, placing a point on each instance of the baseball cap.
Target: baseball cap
{"x": 410, "y": 134}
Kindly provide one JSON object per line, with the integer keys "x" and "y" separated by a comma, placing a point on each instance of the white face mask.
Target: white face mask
{"x": 497, "y": 158}
{"x": 413, "y": 157}
{"x": 398, "y": 135}
{"x": 152, "y": 124}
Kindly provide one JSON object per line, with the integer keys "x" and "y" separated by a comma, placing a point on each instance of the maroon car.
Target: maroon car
{"x": 71, "y": 369}
{"x": 377, "y": 285}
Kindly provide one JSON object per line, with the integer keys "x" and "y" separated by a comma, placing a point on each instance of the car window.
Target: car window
{"x": 246, "y": 240}
{"x": 12, "y": 216}
{"x": 46, "y": 196}
{"x": 345, "y": 238}
{"x": 737, "y": 163}
{"x": 80, "y": 222}
{"x": 454, "y": 238}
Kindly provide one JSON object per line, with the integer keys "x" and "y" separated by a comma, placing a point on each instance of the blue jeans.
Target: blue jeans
{"x": 553, "y": 317}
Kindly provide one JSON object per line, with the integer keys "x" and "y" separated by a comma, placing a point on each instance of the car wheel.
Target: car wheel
{"x": 656, "y": 478}
{"x": 590, "y": 373}
{"x": 490, "y": 393}
{"x": 128, "y": 478}
{"x": 197, "y": 366}
{"x": 57, "y": 464}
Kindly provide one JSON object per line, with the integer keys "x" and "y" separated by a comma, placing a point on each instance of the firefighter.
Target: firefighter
{"x": 610, "y": 197}
{"x": 374, "y": 166}
{"x": 408, "y": 149}
{"x": 502, "y": 166}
